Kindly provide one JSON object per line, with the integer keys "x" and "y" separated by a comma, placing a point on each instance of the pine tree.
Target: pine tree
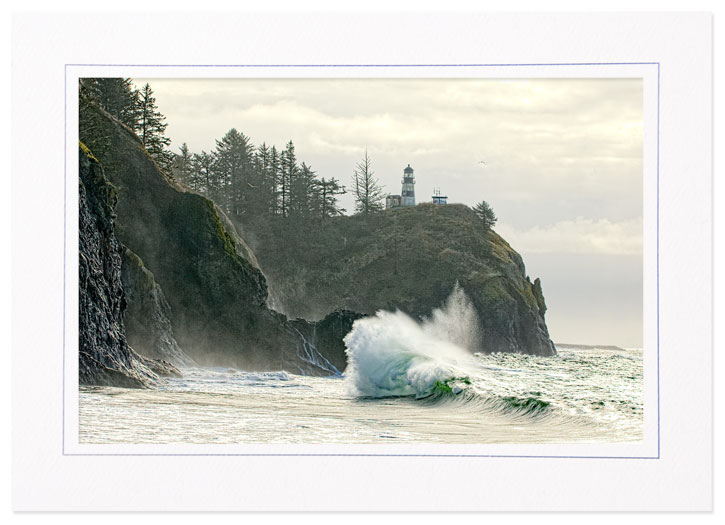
{"x": 302, "y": 188}
{"x": 328, "y": 190}
{"x": 116, "y": 96}
{"x": 234, "y": 167}
{"x": 486, "y": 214}
{"x": 92, "y": 130}
{"x": 288, "y": 172}
{"x": 203, "y": 168}
{"x": 367, "y": 190}
{"x": 267, "y": 177}
{"x": 274, "y": 176}
{"x": 150, "y": 128}
{"x": 183, "y": 168}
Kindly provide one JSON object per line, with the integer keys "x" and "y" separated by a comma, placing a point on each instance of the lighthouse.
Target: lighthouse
{"x": 407, "y": 196}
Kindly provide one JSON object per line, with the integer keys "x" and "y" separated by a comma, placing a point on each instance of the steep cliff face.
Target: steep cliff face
{"x": 408, "y": 259}
{"x": 215, "y": 293}
{"x": 105, "y": 357}
{"x": 147, "y": 317}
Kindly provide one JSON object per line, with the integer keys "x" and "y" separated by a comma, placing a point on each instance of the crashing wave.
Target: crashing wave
{"x": 391, "y": 354}
{"x": 433, "y": 360}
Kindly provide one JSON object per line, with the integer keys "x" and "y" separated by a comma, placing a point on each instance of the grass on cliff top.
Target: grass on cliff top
{"x": 430, "y": 230}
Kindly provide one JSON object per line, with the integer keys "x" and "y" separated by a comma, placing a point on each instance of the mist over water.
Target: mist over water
{"x": 407, "y": 381}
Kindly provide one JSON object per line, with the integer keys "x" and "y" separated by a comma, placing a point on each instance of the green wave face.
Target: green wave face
{"x": 526, "y": 405}
{"x": 449, "y": 387}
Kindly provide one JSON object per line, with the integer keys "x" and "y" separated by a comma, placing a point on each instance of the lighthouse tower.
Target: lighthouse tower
{"x": 407, "y": 196}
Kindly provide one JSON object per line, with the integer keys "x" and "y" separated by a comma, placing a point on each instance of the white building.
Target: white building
{"x": 392, "y": 201}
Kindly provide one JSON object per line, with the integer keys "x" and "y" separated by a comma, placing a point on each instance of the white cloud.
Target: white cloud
{"x": 581, "y": 235}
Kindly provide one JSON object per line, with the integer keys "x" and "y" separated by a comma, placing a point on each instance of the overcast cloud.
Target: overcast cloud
{"x": 560, "y": 161}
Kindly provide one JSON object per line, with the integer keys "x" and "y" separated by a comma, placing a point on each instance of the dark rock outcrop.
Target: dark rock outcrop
{"x": 539, "y": 295}
{"x": 408, "y": 259}
{"x": 105, "y": 358}
{"x": 147, "y": 317}
{"x": 327, "y": 335}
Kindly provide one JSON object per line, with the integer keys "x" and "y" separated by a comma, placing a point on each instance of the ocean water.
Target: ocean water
{"x": 581, "y": 395}
{"x": 408, "y": 381}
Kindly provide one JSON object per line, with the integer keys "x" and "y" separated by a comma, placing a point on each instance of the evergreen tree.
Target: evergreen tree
{"x": 328, "y": 190}
{"x": 367, "y": 190}
{"x": 203, "y": 169}
{"x": 91, "y": 129}
{"x": 234, "y": 171}
{"x": 302, "y": 188}
{"x": 183, "y": 168}
{"x": 288, "y": 172}
{"x": 486, "y": 214}
{"x": 266, "y": 167}
{"x": 274, "y": 176}
{"x": 150, "y": 128}
{"x": 116, "y": 96}
{"x": 88, "y": 88}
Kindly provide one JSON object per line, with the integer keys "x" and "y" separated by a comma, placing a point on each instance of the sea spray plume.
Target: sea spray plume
{"x": 457, "y": 322}
{"x": 390, "y": 354}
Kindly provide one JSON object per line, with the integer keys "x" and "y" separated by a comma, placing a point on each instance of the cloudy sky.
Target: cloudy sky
{"x": 560, "y": 161}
